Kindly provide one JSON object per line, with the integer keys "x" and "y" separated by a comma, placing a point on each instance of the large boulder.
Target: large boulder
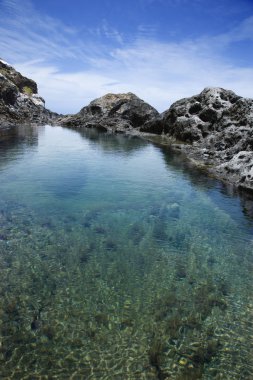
{"x": 115, "y": 112}
{"x": 193, "y": 119}
{"x": 216, "y": 129}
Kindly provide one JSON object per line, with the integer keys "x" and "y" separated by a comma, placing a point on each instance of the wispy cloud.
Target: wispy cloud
{"x": 72, "y": 67}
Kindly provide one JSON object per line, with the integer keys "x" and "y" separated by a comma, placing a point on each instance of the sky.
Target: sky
{"x": 161, "y": 50}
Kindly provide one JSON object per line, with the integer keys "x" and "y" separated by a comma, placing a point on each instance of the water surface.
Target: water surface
{"x": 119, "y": 262}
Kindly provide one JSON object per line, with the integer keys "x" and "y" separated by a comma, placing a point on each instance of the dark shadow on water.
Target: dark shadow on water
{"x": 176, "y": 162}
{"x": 112, "y": 142}
{"x": 16, "y": 141}
{"x": 216, "y": 189}
{"x": 16, "y": 135}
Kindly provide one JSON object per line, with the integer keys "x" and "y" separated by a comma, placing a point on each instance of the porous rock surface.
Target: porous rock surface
{"x": 113, "y": 112}
{"x": 216, "y": 129}
{"x": 19, "y": 100}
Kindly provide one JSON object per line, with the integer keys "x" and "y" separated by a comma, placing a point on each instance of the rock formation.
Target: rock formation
{"x": 19, "y": 100}
{"x": 113, "y": 112}
{"x": 216, "y": 129}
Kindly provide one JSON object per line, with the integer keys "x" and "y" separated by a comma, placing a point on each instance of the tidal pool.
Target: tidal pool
{"x": 120, "y": 262}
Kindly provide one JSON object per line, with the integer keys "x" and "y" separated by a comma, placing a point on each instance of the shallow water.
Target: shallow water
{"x": 119, "y": 262}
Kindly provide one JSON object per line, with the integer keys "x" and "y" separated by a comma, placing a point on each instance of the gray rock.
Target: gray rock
{"x": 239, "y": 169}
{"x": 23, "y": 84}
{"x": 214, "y": 128}
{"x": 193, "y": 119}
{"x": 113, "y": 112}
{"x": 19, "y": 101}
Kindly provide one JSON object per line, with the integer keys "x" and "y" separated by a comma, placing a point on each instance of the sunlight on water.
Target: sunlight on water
{"x": 119, "y": 262}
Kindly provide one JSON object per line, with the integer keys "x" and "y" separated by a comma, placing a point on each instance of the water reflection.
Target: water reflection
{"x": 118, "y": 143}
{"x": 175, "y": 161}
{"x": 15, "y": 142}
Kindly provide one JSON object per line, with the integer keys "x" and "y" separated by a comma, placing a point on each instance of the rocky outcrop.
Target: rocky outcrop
{"x": 216, "y": 129}
{"x": 113, "y": 112}
{"x": 19, "y": 100}
{"x": 192, "y": 119}
{"x": 23, "y": 84}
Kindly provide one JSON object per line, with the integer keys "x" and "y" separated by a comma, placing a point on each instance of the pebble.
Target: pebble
{"x": 183, "y": 361}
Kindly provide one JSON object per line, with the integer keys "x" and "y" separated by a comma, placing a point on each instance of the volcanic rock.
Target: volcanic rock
{"x": 216, "y": 129}
{"x": 114, "y": 112}
{"x": 19, "y": 100}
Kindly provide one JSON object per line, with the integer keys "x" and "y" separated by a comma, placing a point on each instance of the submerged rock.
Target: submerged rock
{"x": 115, "y": 112}
{"x": 19, "y": 100}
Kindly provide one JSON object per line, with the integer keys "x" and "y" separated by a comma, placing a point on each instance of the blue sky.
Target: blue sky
{"x": 162, "y": 50}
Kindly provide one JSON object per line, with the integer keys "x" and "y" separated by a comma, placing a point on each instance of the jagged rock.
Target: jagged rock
{"x": 216, "y": 129}
{"x": 23, "y": 84}
{"x": 192, "y": 119}
{"x": 19, "y": 101}
{"x": 115, "y": 112}
{"x": 239, "y": 168}
{"x": 8, "y": 91}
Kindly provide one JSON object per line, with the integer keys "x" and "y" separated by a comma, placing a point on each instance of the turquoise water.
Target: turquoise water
{"x": 118, "y": 261}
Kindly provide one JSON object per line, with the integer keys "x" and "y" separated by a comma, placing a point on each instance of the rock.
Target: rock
{"x": 214, "y": 128}
{"x": 239, "y": 168}
{"x": 114, "y": 112}
{"x": 154, "y": 126}
{"x": 8, "y": 91}
{"x": 173, "y": 210}
{"x": 19, "y": 101}
{"x": 23, "y": 84}
{"x": 193, "y": 119}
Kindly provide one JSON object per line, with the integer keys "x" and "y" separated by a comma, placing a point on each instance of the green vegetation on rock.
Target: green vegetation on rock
{"x": 27, "y": 90}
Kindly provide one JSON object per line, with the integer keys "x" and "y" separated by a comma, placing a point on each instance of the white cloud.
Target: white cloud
{"x": 71, "y": 71}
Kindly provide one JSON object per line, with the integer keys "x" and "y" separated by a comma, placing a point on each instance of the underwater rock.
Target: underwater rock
{"x": 36, "y": 322}
{"x": 173, "y": 210}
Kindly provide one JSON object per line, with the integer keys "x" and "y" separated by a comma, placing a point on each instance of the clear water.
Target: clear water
{"x": 119, "y": 262}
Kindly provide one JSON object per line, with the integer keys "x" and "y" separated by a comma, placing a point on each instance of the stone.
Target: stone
{"x": 113, "y": 112}
{"x": 18, "y": 79}
{"x": 239, "y": 168}
{"x": 19, "y": 100}
{"x": 215, "y": 130}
